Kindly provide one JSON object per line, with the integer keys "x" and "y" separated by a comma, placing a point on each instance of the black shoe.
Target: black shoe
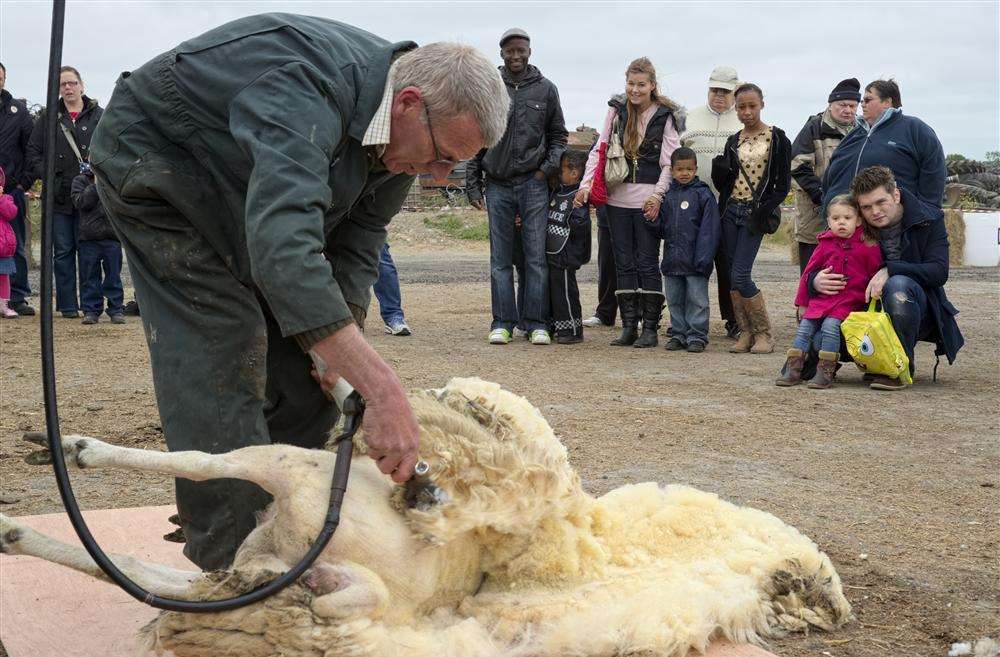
{"x": 569, "y": 339}
{"x": 70, "y": 314}
{"x": 673, "y": 344}
{"x": 732, "y": 330}
{"x": 22, "y": 308}
{"x": 131, "y": 308}
{"x": 118, "y": 319}
{"x": 696, "y": 347}
{"x": 88, "y": 318}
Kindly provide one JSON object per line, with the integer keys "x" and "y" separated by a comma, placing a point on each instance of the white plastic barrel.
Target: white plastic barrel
{"x": 982, "y": 239}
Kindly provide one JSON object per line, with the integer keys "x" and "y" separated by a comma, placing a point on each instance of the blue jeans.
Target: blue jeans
{"x": 64, "y": 261}
{"x": 687, "y": 301}
{"x": 819, "y": 334}
{"x": 636, "y": 250}
{"x": 390, "y": 303}
{"x": 528, "y": 199}
{"x": 19, "y": 288}
{"x": 741, "y": 249}
{"x": 906, "y": 302}
{"x": 99, "y": 257}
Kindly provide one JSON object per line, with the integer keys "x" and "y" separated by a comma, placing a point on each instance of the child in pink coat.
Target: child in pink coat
{"x": 848, "y": 249}
{"x": 8, "y": 246}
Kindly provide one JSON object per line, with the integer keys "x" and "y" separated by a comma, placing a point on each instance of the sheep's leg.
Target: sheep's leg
{"x": 346, "y": 590}
{"x": 17, "y": 538}
{"x": 267, "y": 466}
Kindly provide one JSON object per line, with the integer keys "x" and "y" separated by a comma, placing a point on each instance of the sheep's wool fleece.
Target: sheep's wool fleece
{"x": 643, "y": 569}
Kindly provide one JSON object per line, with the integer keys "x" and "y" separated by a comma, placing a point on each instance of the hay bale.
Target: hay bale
{"x": 954, "y": 223}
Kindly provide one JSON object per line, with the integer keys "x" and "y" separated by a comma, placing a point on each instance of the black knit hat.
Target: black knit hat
{"x": 849, "y": 89}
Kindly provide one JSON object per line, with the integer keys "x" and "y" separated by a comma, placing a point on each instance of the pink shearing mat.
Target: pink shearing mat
{"x": 48, "y": 610}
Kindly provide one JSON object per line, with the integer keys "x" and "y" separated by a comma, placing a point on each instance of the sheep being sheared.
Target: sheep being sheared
{"x": 514, "y": 559}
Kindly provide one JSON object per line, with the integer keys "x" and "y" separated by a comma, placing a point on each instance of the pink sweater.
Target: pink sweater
{"x": 634, "y": 195}
{"x": 8, "y": 211}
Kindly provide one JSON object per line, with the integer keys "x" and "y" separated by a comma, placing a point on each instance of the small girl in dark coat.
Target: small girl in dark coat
{"x": 688, "y": 223}
{"x": 567, "y": 247}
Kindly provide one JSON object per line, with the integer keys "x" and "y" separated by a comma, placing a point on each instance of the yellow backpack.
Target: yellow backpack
{"x": 874, "y": 345}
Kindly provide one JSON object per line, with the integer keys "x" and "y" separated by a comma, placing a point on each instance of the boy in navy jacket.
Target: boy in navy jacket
{"x": 567, "y": 247}
{"x": 689, "y": 225}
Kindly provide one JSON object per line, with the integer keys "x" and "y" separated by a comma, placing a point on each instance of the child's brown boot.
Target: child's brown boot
{"x": 826, "y": 370}
{"x": 791, "y": 371}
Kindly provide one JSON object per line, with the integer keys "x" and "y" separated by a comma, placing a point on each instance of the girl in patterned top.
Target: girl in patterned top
{"x": 753, "y": 177}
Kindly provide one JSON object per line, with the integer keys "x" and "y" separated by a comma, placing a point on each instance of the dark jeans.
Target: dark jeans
{"x": 818, "y": 334}
{"x": 906, "y": 302}
{"x": 687, "y": 301}
{"x": 64, "y": 249}
{"x": 518, "y": 260}
{"x": 805, "y": 252}
{"x": 723, "y": 284}
{"x": 607, "y": 277}
{"x": 101, "y": 276}
{"x": 567, "y": 316}
{"x": 19, "y": 287}
{"x": 528, "y": 199}
{"x": 636, "y": 251}
{"x": 390, "y": 303}
{"x": 223, "y": 374}
{"x": 741, "y": 250}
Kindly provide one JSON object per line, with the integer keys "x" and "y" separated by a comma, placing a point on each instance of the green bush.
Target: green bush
{"x": 473, "y": 227}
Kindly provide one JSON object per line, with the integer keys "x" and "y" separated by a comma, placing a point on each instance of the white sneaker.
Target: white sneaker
{"x": 398, "y": 328}
{"x": 540, "y": 336}
{"x": 500, "y": 336}
{"x": 594, "y": 322}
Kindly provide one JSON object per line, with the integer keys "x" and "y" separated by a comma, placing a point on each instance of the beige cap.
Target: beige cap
{"x": 723, "y": 77}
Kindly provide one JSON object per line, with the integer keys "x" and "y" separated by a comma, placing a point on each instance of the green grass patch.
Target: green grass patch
{"x": 470, "y": 226}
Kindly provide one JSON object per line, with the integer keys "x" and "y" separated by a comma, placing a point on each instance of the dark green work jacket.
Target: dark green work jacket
{"x": 274, "y": 107}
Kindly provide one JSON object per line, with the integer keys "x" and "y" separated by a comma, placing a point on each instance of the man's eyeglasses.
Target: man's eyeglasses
{"x": 69, "y": 83}
{"x": 437, "y": 154}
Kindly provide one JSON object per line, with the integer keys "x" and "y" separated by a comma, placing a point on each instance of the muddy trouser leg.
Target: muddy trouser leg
{"x": 906, "y": 302}
{"x": 220, "y": 375}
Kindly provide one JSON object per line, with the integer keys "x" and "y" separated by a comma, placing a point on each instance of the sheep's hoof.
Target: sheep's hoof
{"x": 10, "y": 533}
{"x": 71, "y": 446}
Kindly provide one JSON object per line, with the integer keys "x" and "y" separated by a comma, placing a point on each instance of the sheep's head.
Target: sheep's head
{"x": 495, "y": 459}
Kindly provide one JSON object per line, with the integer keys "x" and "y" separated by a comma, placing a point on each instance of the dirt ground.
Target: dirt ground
{"x": 901, "y": 490}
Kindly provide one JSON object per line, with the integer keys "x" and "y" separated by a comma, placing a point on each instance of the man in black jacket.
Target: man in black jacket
{"x": 515, "y": 173}
{"x": 78, "y": 117}
{"x": 15, "y": 131}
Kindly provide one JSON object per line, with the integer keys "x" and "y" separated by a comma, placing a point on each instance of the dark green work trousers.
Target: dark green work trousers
{"x": 224, "y": 376}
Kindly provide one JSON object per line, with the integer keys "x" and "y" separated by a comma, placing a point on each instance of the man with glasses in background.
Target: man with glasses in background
{"x": 885, "y": 136}
{"x": 515, "y": 173}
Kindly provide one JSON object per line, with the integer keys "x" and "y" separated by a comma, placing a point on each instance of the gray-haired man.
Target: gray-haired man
{"x": 250, "y": 173}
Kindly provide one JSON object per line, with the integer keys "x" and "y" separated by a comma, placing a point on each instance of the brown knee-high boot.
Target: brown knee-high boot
{"x": 760, "y": 324}
{"x": 742, "y": 345}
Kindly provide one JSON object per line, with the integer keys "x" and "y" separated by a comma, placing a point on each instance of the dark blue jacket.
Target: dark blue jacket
{"x": 689, "y": 225}
{"x": 905, "y": 144}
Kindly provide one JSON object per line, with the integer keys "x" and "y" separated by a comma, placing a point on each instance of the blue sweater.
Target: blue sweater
{"x": 690, "y": 228}
{"x": 905, "y": 144}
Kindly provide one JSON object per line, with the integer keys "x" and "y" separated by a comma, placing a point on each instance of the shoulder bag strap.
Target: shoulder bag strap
{"x": 72, "y": 141}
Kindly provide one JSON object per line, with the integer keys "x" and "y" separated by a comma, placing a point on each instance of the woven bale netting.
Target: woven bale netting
{"x": 954, "y": 222}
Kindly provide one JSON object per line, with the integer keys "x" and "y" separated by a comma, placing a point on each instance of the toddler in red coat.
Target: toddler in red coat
{"x": 849, "y": 249}
{"x": 8, "y": 245}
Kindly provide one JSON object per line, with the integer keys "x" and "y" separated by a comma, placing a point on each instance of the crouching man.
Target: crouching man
{"x": 914, "y": 243}
{"x": 250, "y": 173}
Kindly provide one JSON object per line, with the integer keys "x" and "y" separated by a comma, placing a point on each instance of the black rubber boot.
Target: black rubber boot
{"x": 652, "y": 310}
{"x": 628, "y": 304}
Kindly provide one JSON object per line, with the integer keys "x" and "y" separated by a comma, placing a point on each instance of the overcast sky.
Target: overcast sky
{"x": 945, "y": 56}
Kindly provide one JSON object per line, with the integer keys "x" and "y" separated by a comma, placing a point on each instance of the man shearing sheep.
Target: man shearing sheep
{"x": 251, "y": 173}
